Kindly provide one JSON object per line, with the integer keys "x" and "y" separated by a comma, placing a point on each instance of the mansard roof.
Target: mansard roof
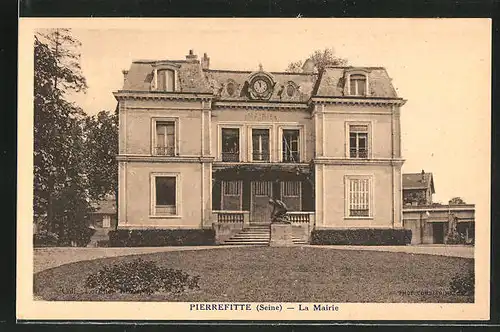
{"x": 304, "y": 83}
{"x": 333, "y": 81}
{"x": 191, "y": 78}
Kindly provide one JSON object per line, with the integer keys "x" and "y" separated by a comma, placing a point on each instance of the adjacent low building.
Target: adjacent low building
{"x": 103, "y": 219}
{"x": 434, "y": 223}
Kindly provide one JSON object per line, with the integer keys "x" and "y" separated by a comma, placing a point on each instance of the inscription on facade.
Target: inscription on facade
{"x": 252, "y": 116}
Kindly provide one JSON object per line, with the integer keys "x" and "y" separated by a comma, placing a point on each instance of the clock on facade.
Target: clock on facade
{"x": 260, "y": 87}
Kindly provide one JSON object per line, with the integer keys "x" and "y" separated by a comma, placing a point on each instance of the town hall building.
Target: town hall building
{"x": 203, "y": 148}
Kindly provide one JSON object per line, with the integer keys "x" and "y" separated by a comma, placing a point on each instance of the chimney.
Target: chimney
{"x": 205, "y": 62}
{"x": 191, "y": 56}
{"x": 423, "y": 176}
{"x": 125, "y": 73}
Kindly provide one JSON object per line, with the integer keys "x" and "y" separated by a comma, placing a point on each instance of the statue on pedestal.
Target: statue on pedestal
{"x": 278, "y": 215}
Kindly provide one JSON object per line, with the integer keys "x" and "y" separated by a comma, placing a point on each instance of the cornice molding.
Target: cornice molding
{"x": 259, "y": 105}
{"x": 157, "y": 95}
{"x": 350, "y": 162}
{"x": 163, "y": 159}
{"x": 357, "y": 101}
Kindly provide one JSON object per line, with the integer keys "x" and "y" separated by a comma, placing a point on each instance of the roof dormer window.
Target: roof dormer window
{"x": 358, "y": 85}
{"x": 165, "y": 76}
{"x": 165, "y": 80}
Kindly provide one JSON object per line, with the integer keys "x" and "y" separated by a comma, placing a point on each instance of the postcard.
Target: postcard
{"x": 254, "y": 169}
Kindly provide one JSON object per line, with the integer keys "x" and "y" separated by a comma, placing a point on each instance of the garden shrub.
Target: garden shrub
{"x": 369, "y": 236}
{"x": 161, "y": 237}
{"x": 83, "y": 236}
{"x": 45, "y": 239}
{"x": 455, "y": 238}
{"x": 139, "y": 277}
{"x": 463, "y": 283}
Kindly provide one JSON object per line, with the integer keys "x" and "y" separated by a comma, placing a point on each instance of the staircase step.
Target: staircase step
{"x": 256, "y": 234}
{"x": 250, "y": 234}
{"x": 255, "y": 230}
{"x": 246, "y": 243}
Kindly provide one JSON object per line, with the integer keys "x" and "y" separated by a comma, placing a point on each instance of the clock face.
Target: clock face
{"x": 260, "y": 86}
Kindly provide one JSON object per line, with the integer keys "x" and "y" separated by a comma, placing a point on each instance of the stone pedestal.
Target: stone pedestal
{"x": 281, "y": 235}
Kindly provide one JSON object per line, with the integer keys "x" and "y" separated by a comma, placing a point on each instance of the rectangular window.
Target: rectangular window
{"x": 165, "y": 195}
{"x": 165, "y": 138}
{"x": 290, "y": 188}
{"x": 291, "y": 145}
{"x": 230, "y": 144}
{"x": 106, "y": 221}
{"x": 358, "y": 141}
{"x": 358, "y": 85}
{"x": 260, "y": 144}
{"x": 263, "y": 188}
{"x": 166, "y": 80}
{"x": 358, "y": 196}
{"x": 231, "y": 188}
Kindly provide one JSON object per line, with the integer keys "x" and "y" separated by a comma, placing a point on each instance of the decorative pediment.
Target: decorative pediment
{"x": 260, "y": 85}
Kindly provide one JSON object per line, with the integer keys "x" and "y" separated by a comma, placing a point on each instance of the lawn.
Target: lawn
{"x": 265, "y": 274}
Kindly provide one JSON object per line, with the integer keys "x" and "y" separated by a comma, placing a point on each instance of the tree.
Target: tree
{"x": 101, "y": 148}
{"x": 61, "y": 202}
{"x": 321, "y": 59}
{"x": 456, "y": 201}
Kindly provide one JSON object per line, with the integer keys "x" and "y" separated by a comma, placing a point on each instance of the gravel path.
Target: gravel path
{"x": 46, "y": 258}
{"x": 439, "y": 250}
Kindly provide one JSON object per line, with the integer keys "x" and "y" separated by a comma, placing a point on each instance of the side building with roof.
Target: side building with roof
{"x": 434, "y": 223}
{"x": 205, "y": 149}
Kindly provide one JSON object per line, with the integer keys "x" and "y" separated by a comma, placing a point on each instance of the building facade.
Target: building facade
{"x": 202, "y": 148}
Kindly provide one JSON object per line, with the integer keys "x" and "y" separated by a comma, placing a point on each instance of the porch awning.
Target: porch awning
{"x": 298, "y": 169}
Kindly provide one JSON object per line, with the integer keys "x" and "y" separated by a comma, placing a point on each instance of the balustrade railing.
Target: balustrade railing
{"x": 301, "y": 217}
{"x": 230, "y": 216}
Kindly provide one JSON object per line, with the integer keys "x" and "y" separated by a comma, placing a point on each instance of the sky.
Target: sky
{"x": 440, "y": 66}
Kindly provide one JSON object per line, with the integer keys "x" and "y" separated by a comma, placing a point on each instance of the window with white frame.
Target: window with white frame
{"x": 358, "y": 196}
{"x": 230, "y": 144}
{"x": 106, "y": 221}
{"x": 165, "y": 195}
{"x": 358, "y": 141}
{"x": 231, "y": 188}
{"x": 260, "y": 145}
{"x": 165, "y": 80}
{"x": 357, "y": 85}
{"x": 164, "y": 138}
{"x": 291, "y": 145}
{"x": 290, "y": 188}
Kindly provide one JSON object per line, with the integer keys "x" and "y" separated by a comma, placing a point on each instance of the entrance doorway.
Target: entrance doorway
{"x": 438, "y": 232}
{"x": 260, "y": 209}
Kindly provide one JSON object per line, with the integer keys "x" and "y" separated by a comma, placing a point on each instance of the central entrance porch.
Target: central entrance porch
{"x": 249, "y": 190}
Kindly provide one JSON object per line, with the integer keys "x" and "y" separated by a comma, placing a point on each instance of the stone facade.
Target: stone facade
{"x": 199, "y": 147}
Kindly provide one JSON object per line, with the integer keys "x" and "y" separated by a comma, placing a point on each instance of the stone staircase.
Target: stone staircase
{"x": 257, "y": 235}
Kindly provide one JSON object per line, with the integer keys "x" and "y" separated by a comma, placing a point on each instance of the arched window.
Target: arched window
{"x": 165, "y": 80}
{"x": 357, "y": 85}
